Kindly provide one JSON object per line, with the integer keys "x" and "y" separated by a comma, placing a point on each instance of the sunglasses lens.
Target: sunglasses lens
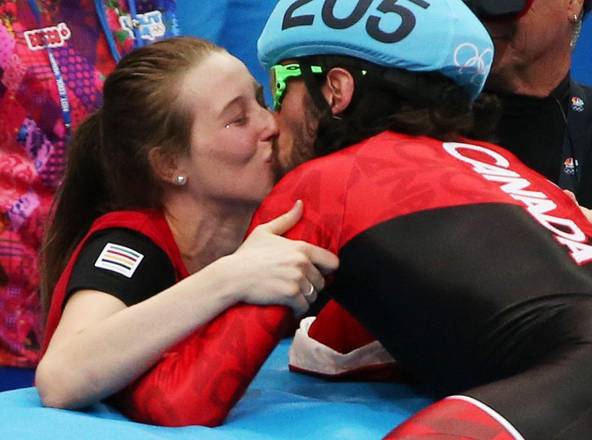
{"x": 279, "y": 76}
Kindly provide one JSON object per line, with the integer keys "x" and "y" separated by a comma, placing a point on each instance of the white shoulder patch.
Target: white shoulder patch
{"x": 120, "y": 259}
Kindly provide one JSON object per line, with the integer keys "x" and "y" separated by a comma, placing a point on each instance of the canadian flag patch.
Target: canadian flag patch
{"x": 120, "y": 259}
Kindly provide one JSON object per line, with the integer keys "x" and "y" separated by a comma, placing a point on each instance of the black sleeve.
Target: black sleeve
{"x": 123, "y": 263}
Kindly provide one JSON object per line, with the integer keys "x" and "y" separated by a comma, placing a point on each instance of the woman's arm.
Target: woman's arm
{"x": 101, "y": 345}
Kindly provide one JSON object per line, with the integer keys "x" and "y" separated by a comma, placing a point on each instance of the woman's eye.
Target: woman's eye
{"x": 241, "y": 120}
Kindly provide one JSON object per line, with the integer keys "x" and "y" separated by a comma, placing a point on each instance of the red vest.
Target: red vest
{"x": 152, "y": 224}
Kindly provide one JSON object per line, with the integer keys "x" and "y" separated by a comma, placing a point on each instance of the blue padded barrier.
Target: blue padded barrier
{"x": 277, "y": 405}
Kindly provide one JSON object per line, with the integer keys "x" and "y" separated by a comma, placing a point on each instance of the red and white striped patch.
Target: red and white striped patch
{"x": 120, "y": 259}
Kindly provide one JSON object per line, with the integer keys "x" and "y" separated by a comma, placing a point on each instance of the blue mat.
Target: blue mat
{"x": 277, "y": 405}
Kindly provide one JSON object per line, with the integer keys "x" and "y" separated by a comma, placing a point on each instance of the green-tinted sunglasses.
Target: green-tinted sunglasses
{"x": 280, "y": 73}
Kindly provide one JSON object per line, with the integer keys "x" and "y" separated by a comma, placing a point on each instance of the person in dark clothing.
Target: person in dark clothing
{"x": 546, "y": 116}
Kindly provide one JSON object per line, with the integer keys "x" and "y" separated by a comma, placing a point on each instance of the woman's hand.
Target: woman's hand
{"x": 276, "y": 270}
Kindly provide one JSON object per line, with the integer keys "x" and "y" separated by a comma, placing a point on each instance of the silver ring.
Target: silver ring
{"x": 310, "y": 291}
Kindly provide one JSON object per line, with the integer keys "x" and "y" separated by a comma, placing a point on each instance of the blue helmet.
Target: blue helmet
{"x": 416, "y": 35}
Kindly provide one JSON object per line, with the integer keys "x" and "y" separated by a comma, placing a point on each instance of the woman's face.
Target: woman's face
{"x": 231, "y": 152}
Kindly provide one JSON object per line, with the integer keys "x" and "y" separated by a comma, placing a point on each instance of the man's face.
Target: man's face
{"x": 540, "y": 36}
{"x": 297, "y": 122}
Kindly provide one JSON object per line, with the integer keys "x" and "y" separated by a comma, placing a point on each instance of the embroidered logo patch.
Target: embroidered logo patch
{"x": 120, "y": 259}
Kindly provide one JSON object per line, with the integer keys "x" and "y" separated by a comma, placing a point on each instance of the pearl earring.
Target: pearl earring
{"x": 180, "y": 180}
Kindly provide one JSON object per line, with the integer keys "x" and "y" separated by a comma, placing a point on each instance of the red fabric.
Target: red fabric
{"x": 426, "y": 178}
{"x": 451, "y": 419}
{"x": 150, "y": 223}
{"x": 337, "y": 329}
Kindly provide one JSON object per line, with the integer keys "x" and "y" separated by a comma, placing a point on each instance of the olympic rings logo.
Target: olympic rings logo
{"x": 468, "y": 57}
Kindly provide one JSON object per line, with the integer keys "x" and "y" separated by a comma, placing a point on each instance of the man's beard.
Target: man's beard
{"x": 302, "y": 151}
{"x": 302, "y": 148}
